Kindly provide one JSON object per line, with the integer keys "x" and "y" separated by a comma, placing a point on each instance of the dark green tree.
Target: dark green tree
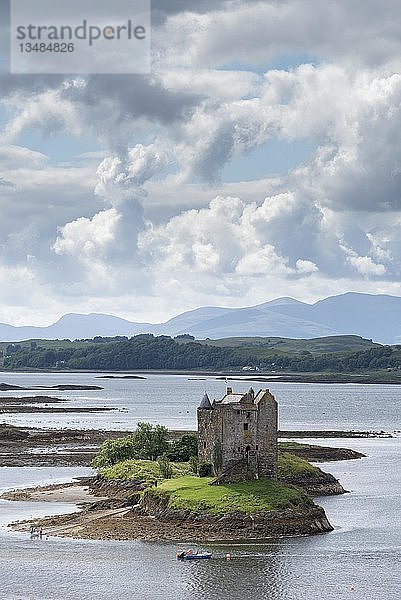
{"x": 147, "y": 442}
{"x": 184, "y": 448}
{"x": 150, "y": 441}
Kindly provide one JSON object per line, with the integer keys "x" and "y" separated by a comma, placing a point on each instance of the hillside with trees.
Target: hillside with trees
{"x": 145, "y": 352}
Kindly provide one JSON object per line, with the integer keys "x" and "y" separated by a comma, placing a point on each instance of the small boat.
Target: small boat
{"x": 191, "y": 555}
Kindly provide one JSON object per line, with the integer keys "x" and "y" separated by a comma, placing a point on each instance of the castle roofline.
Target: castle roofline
{"x": 243, "y": 398}
{"x": 205, "y": 403}
{"x": 232, "y": 399}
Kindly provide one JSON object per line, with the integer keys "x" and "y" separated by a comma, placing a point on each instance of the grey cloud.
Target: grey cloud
{"x": 6, "y": 183}
{"x": 208, "y": 164}
{"x": 116, "y": 106}
{"x": 162, "y": 9}
{"x": 366, "y": 33}
{"x": 366, "y": 175}
{"x": 32, "y": 84}
{"x": 134, "y": 96}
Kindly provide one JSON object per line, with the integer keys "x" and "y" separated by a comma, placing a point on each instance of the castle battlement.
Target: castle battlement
{"x": 241, "y": 428}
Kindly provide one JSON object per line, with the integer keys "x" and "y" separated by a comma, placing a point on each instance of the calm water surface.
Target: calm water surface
{"x": 173, "y": 399}
{"x": 360, "y": 559}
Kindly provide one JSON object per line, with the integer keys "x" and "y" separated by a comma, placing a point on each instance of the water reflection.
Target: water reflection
{"x": 256, "y": 571}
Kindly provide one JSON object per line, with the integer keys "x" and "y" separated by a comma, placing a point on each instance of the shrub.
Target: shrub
{"x": 205, "y": 470}
{"x": 194, "y": 463}
{"x": 114, "y": 451}
{"x": 166, "y": 470}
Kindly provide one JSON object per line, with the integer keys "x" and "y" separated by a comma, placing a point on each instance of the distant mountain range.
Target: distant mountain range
{"x": 376, "y": 317}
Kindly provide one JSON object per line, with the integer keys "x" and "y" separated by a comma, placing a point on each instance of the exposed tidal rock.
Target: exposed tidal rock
{"x": 30, "y": 400}
{"x": 120, "y": 377}
{"x": 116, "y": 489}
{"x": 323, "y": 484}
{"x": 22, "y": 408}
{"x": 324, "y": 453}
{"x": 5, "y": 387}
{"x": 333, "y": 434}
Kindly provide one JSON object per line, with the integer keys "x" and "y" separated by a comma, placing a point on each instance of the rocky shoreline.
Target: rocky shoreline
{"x": 34, "y": 447}
{"x": 302, "y": 520}
{"x": 43, "y": 404}
{"x": 61, "y": 387}
{"x": 113, "y": 509}
{"x": 112, "y": 512}
{"x": 323, "y": 484}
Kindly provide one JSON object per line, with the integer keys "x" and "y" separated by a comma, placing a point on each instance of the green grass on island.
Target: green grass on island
{"x": 186, "y": 491}
{"x": 290, "y": 465}
{"x": 194, "y": 494}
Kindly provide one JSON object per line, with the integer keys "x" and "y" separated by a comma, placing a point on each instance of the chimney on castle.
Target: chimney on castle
{"x": 229, "y": 390}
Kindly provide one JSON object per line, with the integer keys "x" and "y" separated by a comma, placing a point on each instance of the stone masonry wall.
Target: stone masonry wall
{"x": 244, "y": 430}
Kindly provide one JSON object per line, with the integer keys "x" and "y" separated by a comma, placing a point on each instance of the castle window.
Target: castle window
{"x": 248, "y": 415}
{"x": 257, "y": 447}
{"x": 239, "y": 448}
{"x": 245, "y": 426}
{"x": 238, "y": 412}
{"x": 204, "y": 445}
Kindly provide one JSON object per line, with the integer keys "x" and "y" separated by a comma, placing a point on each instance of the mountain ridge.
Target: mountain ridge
{"x": 371, "y": 316}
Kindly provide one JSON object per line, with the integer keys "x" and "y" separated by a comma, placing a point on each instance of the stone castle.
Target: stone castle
{"x": 238, "y": 435}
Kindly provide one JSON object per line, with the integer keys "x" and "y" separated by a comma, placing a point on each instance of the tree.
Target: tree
{"x": 204, "y": 469}
{"x": 114, "y": 451}
{"x": 184, "y": 448}
{"x": 150, "y": 440}
{"x": 147, "y": 442}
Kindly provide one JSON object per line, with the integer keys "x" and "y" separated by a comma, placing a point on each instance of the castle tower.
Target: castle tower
{"x": 239, "y": 432}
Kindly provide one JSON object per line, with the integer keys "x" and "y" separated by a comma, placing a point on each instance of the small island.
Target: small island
{"x": 133, "y": 499}
{"x": 120, "y": 377}
{"x": 62, "y": 387}
{"x": 197, "y": 487}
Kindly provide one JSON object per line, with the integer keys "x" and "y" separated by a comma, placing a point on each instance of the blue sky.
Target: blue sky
{"x": 275, "y": 157}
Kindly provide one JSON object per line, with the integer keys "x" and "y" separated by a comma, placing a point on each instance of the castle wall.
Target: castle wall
{"x": 236, "y": 439}
{"x": 210, "y": 428}
{"x": 266, "y": 436}
{"x": 244, "y": 430}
